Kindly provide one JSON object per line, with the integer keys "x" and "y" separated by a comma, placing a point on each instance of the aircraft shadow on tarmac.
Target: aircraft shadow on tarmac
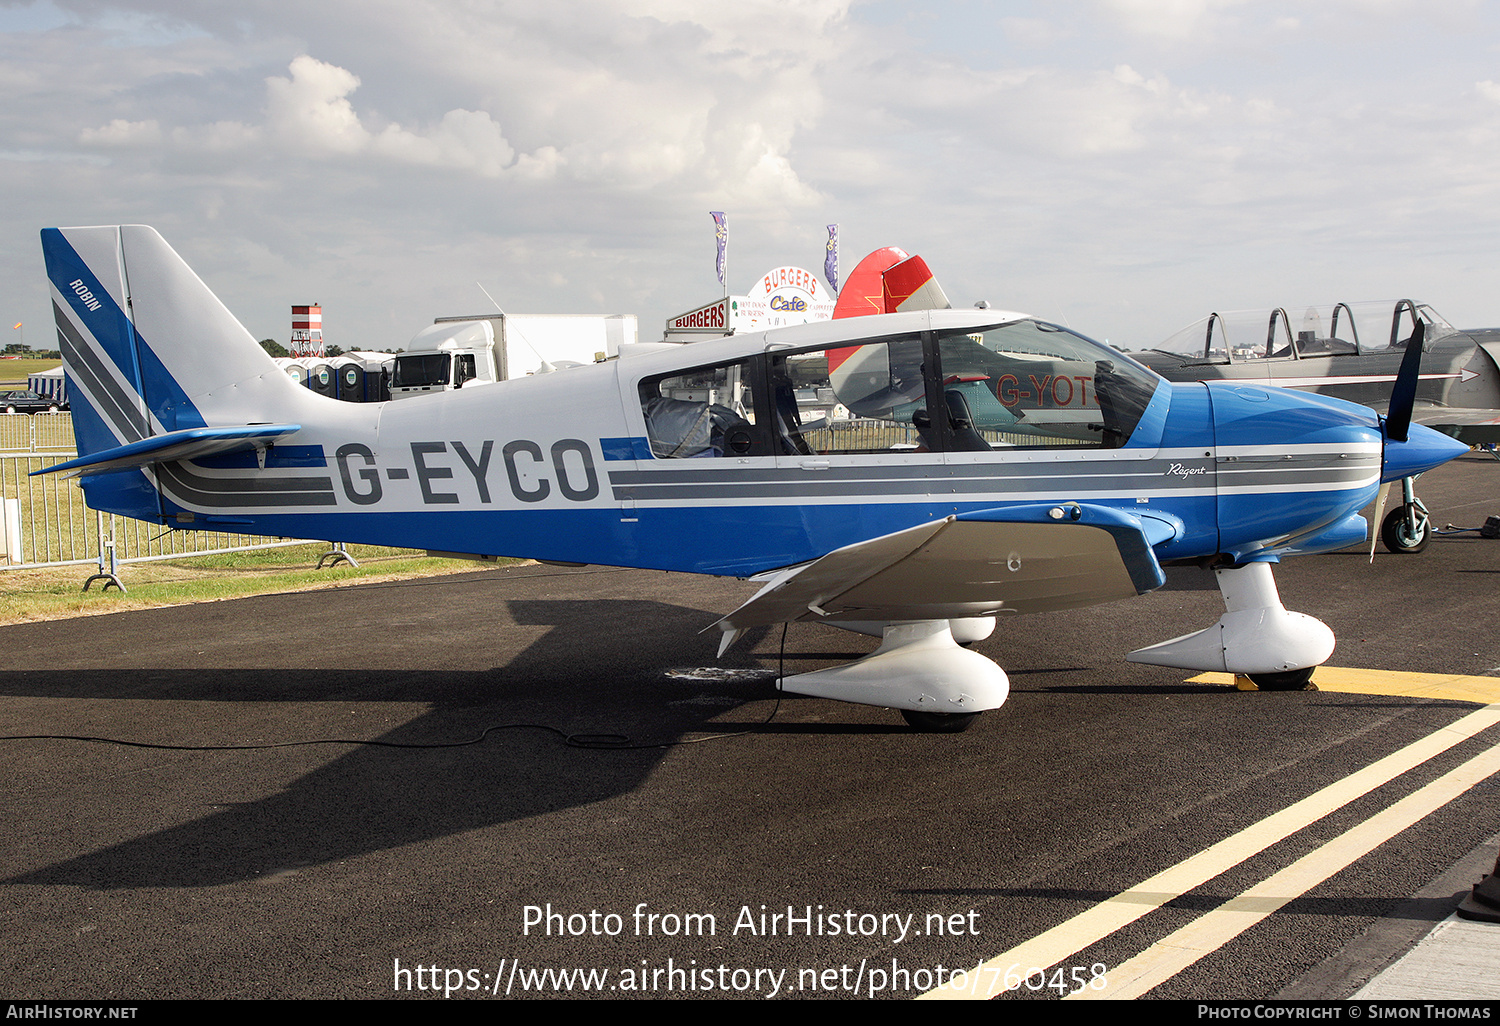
{"x": 581, "y": 665}
{"x": 574, "y": 678}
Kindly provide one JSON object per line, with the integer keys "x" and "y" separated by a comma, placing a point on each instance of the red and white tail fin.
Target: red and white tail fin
{"x": 864, "y": 290}
{"x": 890, "y": 281}
{"x": 910, "y": 285}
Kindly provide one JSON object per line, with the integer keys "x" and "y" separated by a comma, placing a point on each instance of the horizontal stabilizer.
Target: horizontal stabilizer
{"x": 187, "y": 444}
{"x": 1017, "y": 559}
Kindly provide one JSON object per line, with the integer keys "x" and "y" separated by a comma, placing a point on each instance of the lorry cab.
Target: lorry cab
{"x": 444, "y": 357}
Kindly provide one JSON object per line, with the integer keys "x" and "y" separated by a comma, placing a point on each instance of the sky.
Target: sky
{"x": 1121, "y": 166}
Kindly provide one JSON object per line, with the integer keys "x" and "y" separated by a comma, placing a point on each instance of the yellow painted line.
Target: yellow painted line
{"x": 1205, "y": 935}
{"x": 1350, "y": 681}
{"x": 1094, "y": 924}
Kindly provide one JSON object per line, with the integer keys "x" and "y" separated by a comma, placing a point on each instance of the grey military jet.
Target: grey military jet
{"x": 1353, "y": 351}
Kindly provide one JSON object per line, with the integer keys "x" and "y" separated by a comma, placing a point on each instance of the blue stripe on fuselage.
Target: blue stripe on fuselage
{"x": 629, "y": 448}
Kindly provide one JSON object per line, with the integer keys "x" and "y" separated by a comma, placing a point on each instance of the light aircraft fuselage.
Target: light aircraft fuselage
{"x": 908, "y": 470}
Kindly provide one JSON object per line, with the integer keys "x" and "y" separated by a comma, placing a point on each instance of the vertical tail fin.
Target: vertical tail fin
{"x": 96, "y": 337}
{"x": 864, "y": 290}
{"x": 889, "y": 281}
{"x": 149, "y": 350}
{"x": 911, "y": 285}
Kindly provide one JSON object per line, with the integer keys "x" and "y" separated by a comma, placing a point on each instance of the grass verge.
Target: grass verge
{"x": 13, "y": 373}
{"x": 55, "y": 593}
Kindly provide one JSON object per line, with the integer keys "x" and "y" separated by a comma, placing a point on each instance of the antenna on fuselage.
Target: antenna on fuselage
{"x": 544, "y": 367}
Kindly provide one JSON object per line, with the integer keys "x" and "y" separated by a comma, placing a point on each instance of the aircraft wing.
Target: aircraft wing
{"x": 1474, "y": 427}
{"x": 1019, "y": 559}
{"x": 1470, "y": 426}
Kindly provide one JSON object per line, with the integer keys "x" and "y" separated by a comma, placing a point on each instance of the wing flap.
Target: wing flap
{"x": 187, "y": 444}
{"x": 1017, "y": 559}
{"x": 1476, "y": 427}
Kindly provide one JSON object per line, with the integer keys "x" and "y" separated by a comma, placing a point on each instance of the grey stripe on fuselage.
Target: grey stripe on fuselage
{"x": 189, "y": 489}
{"x": 1320, "y": 476}
{"x": 1155, "y": 477}
{"x": 1017, "y": 470}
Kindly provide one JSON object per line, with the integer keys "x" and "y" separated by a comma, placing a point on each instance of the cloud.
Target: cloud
{"x": 311, "y": 111}
{"x": 121, "y": 132}
{"x": 604, "y": 131}
{"x": 1172, "y": 20}
{"x": 312, "y": 108}
{"x": 310, "y": 115}
{"x": 578, "y": 146}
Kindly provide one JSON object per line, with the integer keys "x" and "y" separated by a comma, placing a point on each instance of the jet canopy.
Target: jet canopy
{"x": 1337, "y": 329}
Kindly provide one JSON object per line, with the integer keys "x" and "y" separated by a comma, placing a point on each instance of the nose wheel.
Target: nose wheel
{"x": 1406, "y": 529}
{"x": 1257, "y": 636}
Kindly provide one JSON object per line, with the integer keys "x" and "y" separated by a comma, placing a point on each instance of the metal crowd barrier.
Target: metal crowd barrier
{"x": 39, "y": 432}
{"x": 44, "y": 521}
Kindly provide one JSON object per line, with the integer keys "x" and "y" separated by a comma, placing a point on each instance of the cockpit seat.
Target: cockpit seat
{"x": 684, "y": 429}
{"x": 961, "y": 421}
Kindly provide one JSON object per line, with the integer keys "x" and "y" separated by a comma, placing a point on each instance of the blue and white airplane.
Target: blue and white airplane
{"x": 912, "y": 475}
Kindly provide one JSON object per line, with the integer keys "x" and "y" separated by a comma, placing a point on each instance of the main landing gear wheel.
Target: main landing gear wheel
{"x": 1398, "y": 536}
{"x": 939, "y": 723}
{"x": 1291, "y": 680}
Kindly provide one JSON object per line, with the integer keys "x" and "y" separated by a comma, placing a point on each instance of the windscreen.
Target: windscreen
{"x": 428, "y": 369}
{"x": 1030, "y": 383}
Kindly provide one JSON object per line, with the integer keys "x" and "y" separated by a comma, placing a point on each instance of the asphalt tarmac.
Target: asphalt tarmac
{"x": 739, "y": 843}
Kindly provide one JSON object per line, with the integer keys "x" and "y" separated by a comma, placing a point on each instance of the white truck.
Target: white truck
{"x": 464, "y": 352}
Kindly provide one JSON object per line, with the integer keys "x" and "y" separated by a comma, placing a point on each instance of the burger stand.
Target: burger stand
{"x": 780, "y": 298}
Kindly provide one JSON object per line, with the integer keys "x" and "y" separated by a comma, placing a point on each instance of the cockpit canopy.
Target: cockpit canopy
{"x": 1338, "y": 329}
{"x": 1019, "y": 384}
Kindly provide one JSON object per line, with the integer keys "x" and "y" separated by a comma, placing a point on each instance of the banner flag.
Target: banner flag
{"x": 831, "y": 259}
{"x": 721, "y": 234}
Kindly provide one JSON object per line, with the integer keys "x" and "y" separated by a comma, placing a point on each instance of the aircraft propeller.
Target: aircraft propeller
{"x": 1398, "y": 415}
{"x": 1406, "y": 529}
{"x": 1404, "y": 392}
{"x": 1385, "y": 491}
